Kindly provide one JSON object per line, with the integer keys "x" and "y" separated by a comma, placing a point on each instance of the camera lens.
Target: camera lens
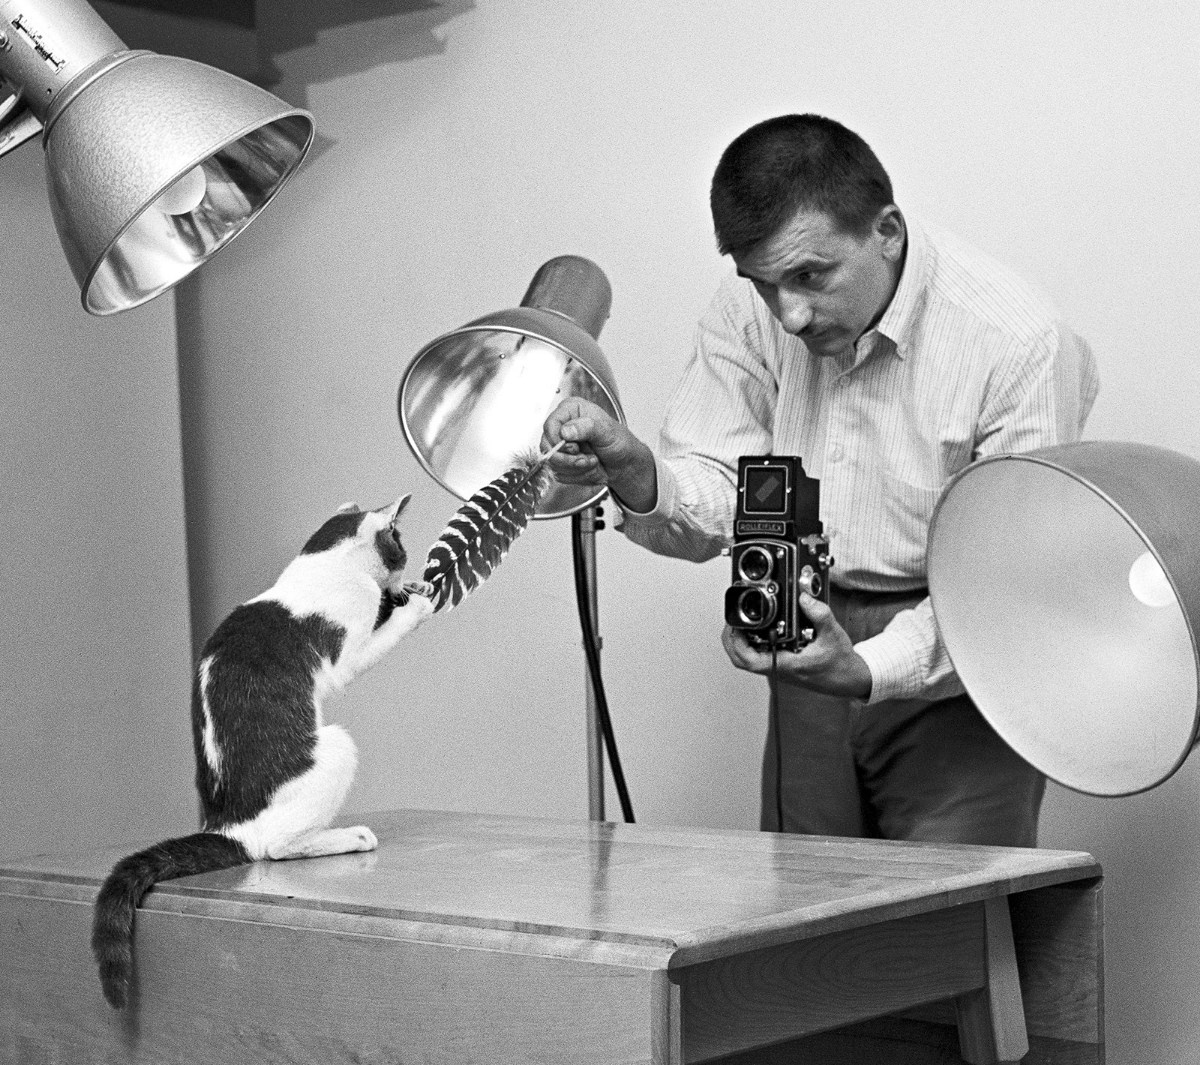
{"x": 756, "y": 607}
{"x": 755, "y": 563}
{"x": 810, "y": 581}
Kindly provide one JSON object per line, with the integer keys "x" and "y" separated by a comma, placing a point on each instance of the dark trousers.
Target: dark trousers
{"x": 899, "y": 769}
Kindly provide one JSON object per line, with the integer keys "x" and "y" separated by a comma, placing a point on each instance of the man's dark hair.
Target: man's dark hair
{"x": 791, "y": 162}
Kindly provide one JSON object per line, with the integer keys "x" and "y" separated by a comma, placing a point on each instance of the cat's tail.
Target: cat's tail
{"x": 130, "y": 879}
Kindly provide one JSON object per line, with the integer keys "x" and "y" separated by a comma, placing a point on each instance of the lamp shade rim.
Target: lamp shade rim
{"x": 499, "y": 323}
{"x": 1045, "y": 457}
{"x": 127, "y": 135}
{"x": 86, "y": 286}
{"x": 1058, "y": 467}
{"x": 427, "y": 466}
{"x": 523, "y": 322}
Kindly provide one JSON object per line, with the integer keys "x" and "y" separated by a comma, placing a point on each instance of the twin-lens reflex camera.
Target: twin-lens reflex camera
{"x": 779, "y": 550}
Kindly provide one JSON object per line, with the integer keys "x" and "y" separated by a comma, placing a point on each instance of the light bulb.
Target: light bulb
{"x": 1148, "y": 582}
{"x": 183, "y": 195}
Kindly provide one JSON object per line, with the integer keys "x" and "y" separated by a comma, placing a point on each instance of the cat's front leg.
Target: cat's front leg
{"x": 404, "y": 618}
{"x": 408, "y": 615}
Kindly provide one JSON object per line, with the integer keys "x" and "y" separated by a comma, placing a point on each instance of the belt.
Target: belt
{"x": 864, "y": 596}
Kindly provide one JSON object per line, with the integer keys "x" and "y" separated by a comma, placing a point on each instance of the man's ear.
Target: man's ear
{"x": 891, "y": 231}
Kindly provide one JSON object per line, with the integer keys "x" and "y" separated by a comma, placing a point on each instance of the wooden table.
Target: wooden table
{"x": 468, "y": 938}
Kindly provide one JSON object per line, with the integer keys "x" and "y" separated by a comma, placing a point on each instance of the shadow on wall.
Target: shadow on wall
{"x": 315, "y": 40}
{"x": 380, "y": 32}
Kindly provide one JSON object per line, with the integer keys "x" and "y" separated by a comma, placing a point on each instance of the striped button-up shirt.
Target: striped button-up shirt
{"x": 966, "y": 361}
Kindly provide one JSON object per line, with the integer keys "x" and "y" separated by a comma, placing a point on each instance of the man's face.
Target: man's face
{"x": 824, "y": 285}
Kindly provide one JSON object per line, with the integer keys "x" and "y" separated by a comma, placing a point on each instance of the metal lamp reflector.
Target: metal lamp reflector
{"x": 153, "y": 162}
{"x": 1066, "y": 586}
{"x": 476, "y": 397}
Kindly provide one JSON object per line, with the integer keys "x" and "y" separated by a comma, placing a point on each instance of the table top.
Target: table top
{"x": 596, "y": 890}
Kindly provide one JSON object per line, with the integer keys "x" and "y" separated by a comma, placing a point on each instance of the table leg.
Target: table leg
{"x": 991, "y": 1020}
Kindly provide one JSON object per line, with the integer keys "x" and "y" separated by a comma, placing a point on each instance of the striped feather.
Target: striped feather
{"x": 482, "y": 530}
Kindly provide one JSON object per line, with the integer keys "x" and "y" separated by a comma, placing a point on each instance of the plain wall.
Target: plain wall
{"x": 94, "y": 645}
{"x": 462, "y": 146}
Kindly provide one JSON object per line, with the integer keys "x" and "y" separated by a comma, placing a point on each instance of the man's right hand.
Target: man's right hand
{"x": 598, "y": 450}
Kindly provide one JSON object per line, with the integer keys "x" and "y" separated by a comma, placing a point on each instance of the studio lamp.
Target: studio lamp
{"x": 475, "y": 398}
{"x": 153, "y": 162}
{"x": 1066, "y": 586}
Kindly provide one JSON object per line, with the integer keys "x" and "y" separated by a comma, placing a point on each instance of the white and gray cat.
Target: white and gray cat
{"x": 270, "y": 773}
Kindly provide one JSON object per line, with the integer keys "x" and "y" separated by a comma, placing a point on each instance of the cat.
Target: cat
{"x": 270, "y": 774}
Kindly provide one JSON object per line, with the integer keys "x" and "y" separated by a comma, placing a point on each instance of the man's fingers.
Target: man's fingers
{"x": 575, "y": 467}
{"x": 620, "y": 460}
{"x": 578, "y": 414}
{"x": 578, "y": 430}
{"x": 555, "y": 420}
{"x": 741, "y": 653}
{"x": 815, "y": 610}
{"x": 728, "y": 641}
{"x": 735, "y": 647}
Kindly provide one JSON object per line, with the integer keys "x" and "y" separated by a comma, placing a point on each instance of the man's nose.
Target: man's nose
{"x": 795, "y": 311}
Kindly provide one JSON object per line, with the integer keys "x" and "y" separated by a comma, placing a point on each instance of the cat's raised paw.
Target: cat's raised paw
{"x": 421, "y": 588}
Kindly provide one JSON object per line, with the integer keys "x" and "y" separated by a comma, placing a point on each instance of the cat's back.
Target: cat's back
{"x": 266, "y": 635}
{"x": 254, "y": 711}
{"x": 259, "y": 672}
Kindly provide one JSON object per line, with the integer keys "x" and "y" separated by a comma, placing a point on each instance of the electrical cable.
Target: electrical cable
{"x": 592, "y": 651}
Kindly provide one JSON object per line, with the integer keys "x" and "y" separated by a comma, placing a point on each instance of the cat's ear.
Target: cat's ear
{"x": 398, "y": 508}
{"x": 349, "y": 508}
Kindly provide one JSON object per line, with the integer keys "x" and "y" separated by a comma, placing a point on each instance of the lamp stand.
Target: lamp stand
{"x": 588, "y": 524}
{"x": 475, "y": 391}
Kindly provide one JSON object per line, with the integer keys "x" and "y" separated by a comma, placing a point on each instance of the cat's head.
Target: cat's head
{"x": 372, "y": 537}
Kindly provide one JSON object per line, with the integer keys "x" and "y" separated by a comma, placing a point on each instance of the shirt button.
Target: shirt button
{"x": 835, "y": 454}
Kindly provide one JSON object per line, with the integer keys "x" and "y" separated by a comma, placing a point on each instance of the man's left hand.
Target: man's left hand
{"x": 829, "y": 664}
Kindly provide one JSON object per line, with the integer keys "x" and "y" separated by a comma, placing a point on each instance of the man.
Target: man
{"x": 888, "y": 356}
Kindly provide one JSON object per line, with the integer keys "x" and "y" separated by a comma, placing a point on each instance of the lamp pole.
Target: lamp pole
{"x": 588, "y": 524}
